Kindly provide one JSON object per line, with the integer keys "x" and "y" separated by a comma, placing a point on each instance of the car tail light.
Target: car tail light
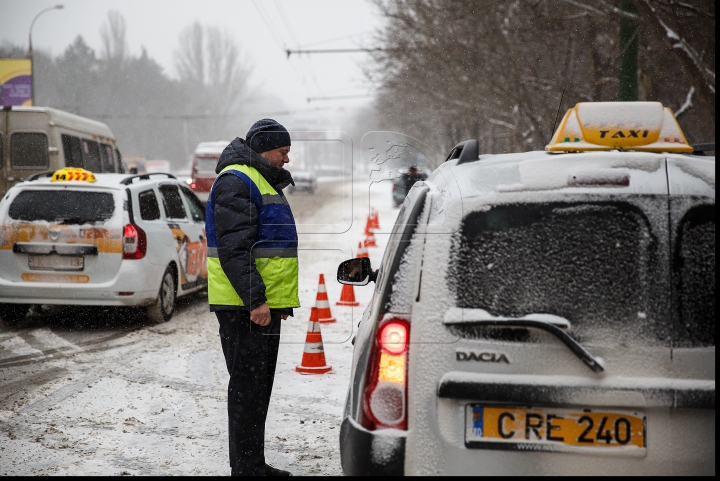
{"x": 193, "y": 185}
{"x": 134, "y": 242}
{"x": 385, "y": 399}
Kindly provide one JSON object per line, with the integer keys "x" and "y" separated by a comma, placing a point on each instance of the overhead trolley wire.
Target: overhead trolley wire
{"x": 275, "y": 36}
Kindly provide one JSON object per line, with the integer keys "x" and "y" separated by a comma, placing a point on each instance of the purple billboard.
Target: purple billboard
{"x": 16, "y": 81}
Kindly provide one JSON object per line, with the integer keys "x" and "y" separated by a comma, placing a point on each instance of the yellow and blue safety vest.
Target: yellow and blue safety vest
{"x": 274, "y": 250}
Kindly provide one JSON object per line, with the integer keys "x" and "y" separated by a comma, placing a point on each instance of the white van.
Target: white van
{"x": 41, "y": 139}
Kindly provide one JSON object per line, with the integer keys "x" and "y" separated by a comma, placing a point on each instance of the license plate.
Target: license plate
{"x": 554, "y": 429}
{"x": 54, "y": 262}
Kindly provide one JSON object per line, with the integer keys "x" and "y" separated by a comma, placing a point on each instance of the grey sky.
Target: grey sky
{"x": 155, "y": 25}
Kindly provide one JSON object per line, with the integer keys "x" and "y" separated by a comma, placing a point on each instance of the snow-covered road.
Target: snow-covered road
{"x": 112, "y": 396}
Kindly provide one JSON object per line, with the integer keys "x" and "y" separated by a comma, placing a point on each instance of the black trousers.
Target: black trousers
{"x": 251, "y": 356}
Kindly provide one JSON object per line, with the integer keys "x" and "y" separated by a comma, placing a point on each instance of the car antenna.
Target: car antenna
{"x": 557, "y": 113}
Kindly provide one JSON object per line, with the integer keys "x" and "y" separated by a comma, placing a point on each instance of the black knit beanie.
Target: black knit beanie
{"x": 267, "y": 134}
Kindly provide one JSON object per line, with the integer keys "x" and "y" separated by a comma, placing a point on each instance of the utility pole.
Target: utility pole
{"x": 30, "y": 50}
{"x": 629, "y": 33}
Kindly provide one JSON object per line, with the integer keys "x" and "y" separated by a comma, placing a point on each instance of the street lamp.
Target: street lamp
{"x": 30, "y": 50}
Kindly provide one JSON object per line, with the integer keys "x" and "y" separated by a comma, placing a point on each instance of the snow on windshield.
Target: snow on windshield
{"x": 591, "y": 263}
{"x": 66, "y": 206}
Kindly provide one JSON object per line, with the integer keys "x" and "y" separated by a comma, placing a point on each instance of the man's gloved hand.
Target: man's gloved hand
{"x": 260, "y": 315}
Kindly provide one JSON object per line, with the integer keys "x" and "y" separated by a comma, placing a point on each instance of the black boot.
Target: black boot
{"x": 270, "y": 471}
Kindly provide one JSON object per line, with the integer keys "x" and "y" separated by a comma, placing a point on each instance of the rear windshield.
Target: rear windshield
{"x": 205, "y": 165}
{"x": 62, "y": 206}
{"x": 590, "y": 263}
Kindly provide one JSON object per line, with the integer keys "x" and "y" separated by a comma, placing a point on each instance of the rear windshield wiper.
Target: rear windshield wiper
{"x": 594, "y": 363}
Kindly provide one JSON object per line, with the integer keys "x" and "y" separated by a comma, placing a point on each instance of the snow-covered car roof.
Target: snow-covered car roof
{"x": 521, "y": 177}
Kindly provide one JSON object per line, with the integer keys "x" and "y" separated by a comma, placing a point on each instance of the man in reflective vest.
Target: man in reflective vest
{"x": 252, "y": 279}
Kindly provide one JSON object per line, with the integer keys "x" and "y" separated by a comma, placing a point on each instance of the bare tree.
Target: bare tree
{"x": 210, "y": 65}
{"x": 190, "y": 57}
{"x": 112, "y": 33}
{"x": 496, "y": 71}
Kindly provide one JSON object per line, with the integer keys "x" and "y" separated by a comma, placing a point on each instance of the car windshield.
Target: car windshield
{"x": 62, "y": 206}
{"x": 591, "y": 263}
{"x": 205, "y": 165}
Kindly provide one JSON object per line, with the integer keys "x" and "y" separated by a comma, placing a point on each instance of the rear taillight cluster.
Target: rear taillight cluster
{"x": 385, "y": 397}
{"x": 134, "y": 242}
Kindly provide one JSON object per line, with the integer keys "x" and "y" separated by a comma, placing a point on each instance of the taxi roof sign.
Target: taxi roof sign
{"x": 644, "y": 126}
{"x": 69, "y": 174}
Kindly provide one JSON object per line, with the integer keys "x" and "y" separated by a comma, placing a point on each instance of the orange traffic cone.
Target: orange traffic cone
{"x": 347, "y": 296}
{"x": 362, "y": 251}
{"x": 313, "y": 359}
{"x": 369, "y": 225}
{"x": 322, "y": 303}
{"x": 374, "y": 220}
{"x": 369, "y": 239}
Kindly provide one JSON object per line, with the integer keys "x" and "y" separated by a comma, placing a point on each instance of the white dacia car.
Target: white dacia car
{"x": 545, "y": 313}
{"x": 72, "y": 237}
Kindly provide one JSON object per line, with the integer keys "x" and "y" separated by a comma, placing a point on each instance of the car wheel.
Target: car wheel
{"x": 164, "y": 306}
{"x": 13, "y": 314}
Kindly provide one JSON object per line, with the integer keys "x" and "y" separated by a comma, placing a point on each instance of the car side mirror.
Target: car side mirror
{"x": 356, "y": 272}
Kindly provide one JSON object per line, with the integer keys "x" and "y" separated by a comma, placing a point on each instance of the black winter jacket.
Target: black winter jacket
{"x": 236, "y": 222}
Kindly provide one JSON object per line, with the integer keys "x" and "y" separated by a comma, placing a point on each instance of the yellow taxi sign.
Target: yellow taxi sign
{"x": 644, "y": 126}
{"x": 73, "y": 174}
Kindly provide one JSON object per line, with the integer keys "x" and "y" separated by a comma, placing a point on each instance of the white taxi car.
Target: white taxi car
{"x": 545, "y": 313}
{"x": 76, "y": 238}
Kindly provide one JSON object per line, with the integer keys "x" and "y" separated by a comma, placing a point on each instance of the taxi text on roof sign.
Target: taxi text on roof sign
{"x": 73, "y": 174}
{"x": 645, "y": 126}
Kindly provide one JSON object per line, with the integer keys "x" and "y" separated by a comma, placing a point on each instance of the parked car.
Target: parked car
{"x": 204, "y": 162}
{"x": 544, "y": 313}
{"x": 73, "y": 237}
{"x": 38, "y": 139}
{"x": 304, "y": 181}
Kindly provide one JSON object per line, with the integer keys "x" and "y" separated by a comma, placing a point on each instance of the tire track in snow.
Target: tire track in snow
{"x": 66, "y": 391}
{"x": 29, "y": 383}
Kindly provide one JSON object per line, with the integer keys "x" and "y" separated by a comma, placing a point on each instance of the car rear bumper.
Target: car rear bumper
{"x": 371, "y": 453}
{"x": 135, "y": 284}
{"x": 678, "y": 425}
{"x": 94, "y": 297}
